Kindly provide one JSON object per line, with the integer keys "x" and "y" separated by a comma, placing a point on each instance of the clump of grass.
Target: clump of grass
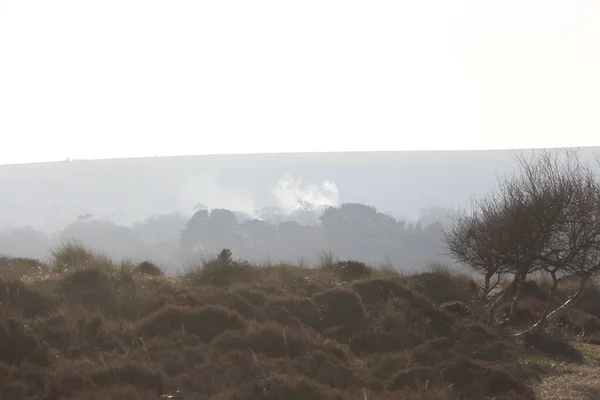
{"x": 148, "y": 268}
{"x": 21, "y": 298}
{"x": 74, "y": 255}
{"x": 206, "y": 322}
{"x": 25, "y": 269}
{"x": 553, "y": 344}
{"x": 349, "y": 270}
{"x": 91, "y": 287}
{"x": 230, "y": 329}
{"x": 220, "y": 271}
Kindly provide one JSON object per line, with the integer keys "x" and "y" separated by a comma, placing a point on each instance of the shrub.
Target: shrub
{"x": 86, "y": 375}
{"x": 416, "y": 378}
{"x": 28, "y": 302}
{"x": 206, "y": 322}
{"x": 580, "y": 323}
{"x": 441, "y": 286}
{"x": 475, "y": 380}
{"x": 21, "y": 268}
{"x": 221, "y": 271}
{"x": 528, "y": 310}
{"x": 276, "y": 341}
{"x": 285, "y": 387}
{"x": 458, "y": 308}
{"x": 377, "y": 342}
{"x": 343, "y": 307}
{"x": 303, "y": 310}
{"x": 18, "y": 343}
{"x": 553, "y": 344}
{"x": 375, "y": 292}
{"x": 90, "y": 287}
{"x": 148, "y": 268}
{"x": 589, "y": 300}
{"x": 73, "y": 255}
{"x": 351, "y": 270}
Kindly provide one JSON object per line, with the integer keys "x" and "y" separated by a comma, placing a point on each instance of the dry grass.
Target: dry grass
{"x": 226, "y": 329}
{"x": 572, "y": 381}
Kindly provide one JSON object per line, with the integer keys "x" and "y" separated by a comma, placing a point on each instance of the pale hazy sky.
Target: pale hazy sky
{"x": 110, "y": 78}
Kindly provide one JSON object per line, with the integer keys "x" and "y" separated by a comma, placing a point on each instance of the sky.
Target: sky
{"x": 137, "y": 78}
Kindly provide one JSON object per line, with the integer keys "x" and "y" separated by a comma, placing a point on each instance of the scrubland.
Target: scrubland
{"x": 86, "y": 327}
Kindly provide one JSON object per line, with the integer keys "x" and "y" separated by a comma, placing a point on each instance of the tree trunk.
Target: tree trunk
{"x": 582, "y": 285}
{"x": 539, "y": 325}
{"x": 519, "y": 281}
{"x": 499, "y": 299}
{"x": 486, "y": 284}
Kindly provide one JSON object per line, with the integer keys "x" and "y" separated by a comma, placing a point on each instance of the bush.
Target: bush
{"x": 375, "y": 292}
{"x": 285, "y": 387}
{"x": 295, "y": 310}
{"x": 118, "y": 372}
{"x": 20, "y": 268}
{"x": 351, "y": 270}
{"x": 441, "y": 286}
{"x": 29, "y": 303}
{"x": 206, "y": 322}
{"x": 232, "y": 330}
{"x": 458, "y": 308}
{"x": 528, "y": 311}
{"x": 18, "y": 343}
{"x": 90, "y": 287}
{"x": 554, "y": 345}
{"x": 276, "y": 341}
{"x": 417, "y": 378}
{"x": 342, "y": 307}
{"x": 475, "y": 380}
{"x": 74, "y": 255}
{"x": 377, "y": 342}
{"x": 221, "y": 271}
{"x": 148, "y": 268}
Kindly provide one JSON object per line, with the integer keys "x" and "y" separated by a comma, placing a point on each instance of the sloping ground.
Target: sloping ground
{"x": 230, "y": 331}
{"x": 568, "y": 381}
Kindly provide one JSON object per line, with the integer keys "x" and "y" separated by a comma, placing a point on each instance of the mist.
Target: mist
{"x": 373, "y": 207}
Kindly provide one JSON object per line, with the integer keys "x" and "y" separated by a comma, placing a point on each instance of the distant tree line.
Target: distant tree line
{"x": 351, "y": 231}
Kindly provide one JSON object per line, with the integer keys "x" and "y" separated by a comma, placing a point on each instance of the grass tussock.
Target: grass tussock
{"x": 74, "y": 255}
{"x": 231, "y": 330}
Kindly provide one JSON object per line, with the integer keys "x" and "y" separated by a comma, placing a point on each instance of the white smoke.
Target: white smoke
{"x": 288, "y": 192}
{"x": 285, "y": 194}
{"x": 206, "y": 190}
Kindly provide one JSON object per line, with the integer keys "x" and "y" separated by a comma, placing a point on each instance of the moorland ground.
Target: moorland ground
{"x": 86, "y": 327}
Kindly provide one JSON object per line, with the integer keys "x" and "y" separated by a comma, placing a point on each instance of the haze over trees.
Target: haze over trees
{"x": 290, "y": 327}
{"x": 351, "y": 231}
{"x": 306, "y": 220}
{"x": 49, "y": 196}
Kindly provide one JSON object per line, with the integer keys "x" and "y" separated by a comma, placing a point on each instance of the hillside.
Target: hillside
{"x": 85, "y": 327}
{"x": 49, "y": 195}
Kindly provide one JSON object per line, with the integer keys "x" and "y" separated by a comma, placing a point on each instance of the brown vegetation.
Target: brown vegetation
{"x": 273, "y": 332}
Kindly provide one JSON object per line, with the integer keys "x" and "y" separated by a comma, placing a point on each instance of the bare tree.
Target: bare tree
{"x": 471, "y": 242}
{"x": 584, "y": 246}
{"x": 572, "y": 247}
{"x": 520, "y": 227}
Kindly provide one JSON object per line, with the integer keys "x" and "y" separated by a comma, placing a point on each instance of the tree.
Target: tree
{"x": 271, "y": 214}
{"x": 435, "y": 214}
{"x": 532, "y": 222}
{"x": 160, "y": 228}
{"x": 193, "y": 232}
{"x": 104, "y": 236}
{"x": 575, "y": 249}
{"x": 208, "y": 231}
{"x": 471, "y": 242}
